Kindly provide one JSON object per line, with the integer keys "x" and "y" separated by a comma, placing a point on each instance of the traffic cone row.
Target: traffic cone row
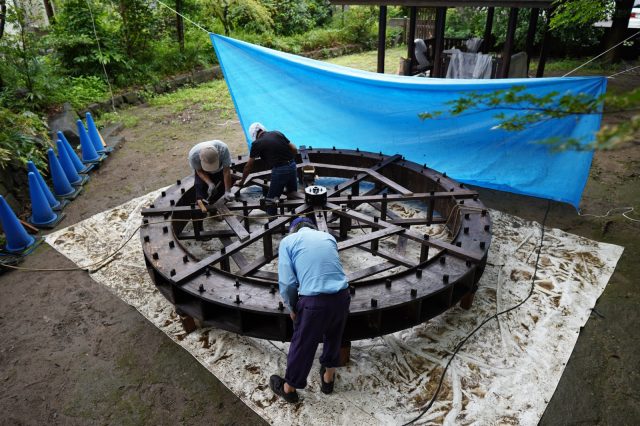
{"x": 68, "y": 174}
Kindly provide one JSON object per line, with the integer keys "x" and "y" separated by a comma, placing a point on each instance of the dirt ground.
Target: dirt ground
{"x": 73, "y": 353}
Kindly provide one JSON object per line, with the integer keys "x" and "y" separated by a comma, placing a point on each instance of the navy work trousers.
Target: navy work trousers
{"x": 281, "y": 177}
{"x": 202, "y": 187}
{"x": 319, "y": 319}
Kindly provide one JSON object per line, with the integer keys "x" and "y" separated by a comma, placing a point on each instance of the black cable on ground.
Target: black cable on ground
{"x": 482, "y": 324}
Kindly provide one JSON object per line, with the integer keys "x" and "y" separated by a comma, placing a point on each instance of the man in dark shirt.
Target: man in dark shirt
{"x": 278, "y": 153}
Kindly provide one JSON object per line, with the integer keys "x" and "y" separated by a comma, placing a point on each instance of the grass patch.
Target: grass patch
{"x": 568, "y": 64}
{"x": 368, "y": 61}
{"x": 208, "y": 96}
{"x": 125, "y": 117}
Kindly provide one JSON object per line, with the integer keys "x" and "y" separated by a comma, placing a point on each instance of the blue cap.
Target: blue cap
{"x": 300, "y": 220}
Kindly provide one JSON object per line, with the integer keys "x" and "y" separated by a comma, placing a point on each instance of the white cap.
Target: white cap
{"x": 209, "y": 159}
{"x": 253, "y": 130}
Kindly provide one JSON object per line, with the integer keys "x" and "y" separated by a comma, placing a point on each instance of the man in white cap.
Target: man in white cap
{"x": 211, "y": 162}
{"x": 278, "y": 154}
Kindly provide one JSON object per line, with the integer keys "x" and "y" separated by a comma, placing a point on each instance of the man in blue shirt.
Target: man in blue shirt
{"x": 314, "y": 286}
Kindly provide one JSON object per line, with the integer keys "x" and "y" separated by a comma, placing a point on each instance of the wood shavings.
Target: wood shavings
{"x": 505, "y": 374}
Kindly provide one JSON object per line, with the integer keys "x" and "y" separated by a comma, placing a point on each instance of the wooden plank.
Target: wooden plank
{"x": 232, "y": 221}
{"x": 371, "y": 236}
{"x": 346, "y": 184}
{"x": 237, "y": 257}
{"x": 460, "y": 194}
{"x": 198, "y": 267}
{"x": 389, "y": 183}
{"x": 221, "y": 233}
{"x": 396, "y": 258}
{"x": 450, "y": 248}
{"x": 337, "y": 199}
{"x": 253, "y": 266}
{"x": 321, "y": 223}
{"x": 367, "y": 272}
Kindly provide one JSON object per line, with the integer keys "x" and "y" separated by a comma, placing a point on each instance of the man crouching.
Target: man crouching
{"x": 314, "y": 286}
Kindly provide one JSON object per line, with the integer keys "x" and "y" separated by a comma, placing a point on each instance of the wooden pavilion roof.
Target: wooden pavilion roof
{"x": 541, "y": 4}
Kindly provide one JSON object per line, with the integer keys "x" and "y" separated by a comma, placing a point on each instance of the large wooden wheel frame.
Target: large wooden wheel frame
{"x": 247, "y": 301}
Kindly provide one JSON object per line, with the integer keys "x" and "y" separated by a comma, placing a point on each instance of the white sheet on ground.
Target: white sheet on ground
{"x": 503, "y": 375}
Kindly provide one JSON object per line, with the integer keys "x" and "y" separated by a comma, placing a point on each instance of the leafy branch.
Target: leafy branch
{"x": 530, "y": 109}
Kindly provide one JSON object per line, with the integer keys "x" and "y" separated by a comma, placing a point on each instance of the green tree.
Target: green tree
{"x": 136, "y": 26}
{"x": 581, "y": 14}
{"x": 76, "y": 44}
{"x": 26, "y": 75}
{"x": 230, "y": 12}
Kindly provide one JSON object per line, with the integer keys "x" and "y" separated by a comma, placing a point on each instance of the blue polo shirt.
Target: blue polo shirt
{"x": 308, "y": 265}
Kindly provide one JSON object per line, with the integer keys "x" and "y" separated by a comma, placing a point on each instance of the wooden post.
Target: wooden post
{"x": 544, "y": 50}
{"x": 488, "y": 29}
{"x": 345, "y": 354}
{"x": 531, "y": 35}
{"x": 411, "y": 45}
{"x": 441, "y": 16}
{"x": 179, "y": 25}
{"x": 618, "y": 32}
{"x": 508, "y": 44}
{"x": 48, "y": 8}
{"x": 382, "y": 35}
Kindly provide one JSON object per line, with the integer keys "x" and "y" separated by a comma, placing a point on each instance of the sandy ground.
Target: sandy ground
{"x": 73, "y": 353}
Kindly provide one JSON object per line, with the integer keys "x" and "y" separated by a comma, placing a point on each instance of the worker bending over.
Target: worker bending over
{"x": 314, "y": 286}
{"x": 278, "y": 153}
{"x": 211, "y": 163}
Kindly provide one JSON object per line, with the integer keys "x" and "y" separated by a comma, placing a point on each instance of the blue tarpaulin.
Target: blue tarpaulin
{"x": 319, "y": 104}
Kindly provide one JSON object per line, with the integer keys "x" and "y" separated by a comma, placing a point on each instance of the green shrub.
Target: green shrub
{"x": 360, "y": 25}
{"x": 75, "y": 44}
{"x": 26, "y": 76}
{"x": 22, "y": 138}
{"x": 81, "y": 91}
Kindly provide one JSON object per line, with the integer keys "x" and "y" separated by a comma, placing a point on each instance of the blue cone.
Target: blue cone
{"x": 80, "y": 168}
{"x": 53, "y": 202}
{"x": 41, "y": 212}
{"x": 61, "y": 185}
{"x": 67, "y": 165}
{"x": 89, "y": 154}
{"x": 94, "y": 135}
{"x": 17, "y": 238}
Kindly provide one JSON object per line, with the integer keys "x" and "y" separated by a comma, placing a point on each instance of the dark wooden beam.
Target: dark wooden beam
{"x": 544, "y": 48}
{"x": 488, "y": 29}
{"x": 531, "y": 35}
{"x": 509, "y": 42}
{"x": 382, "y": 36}
{"x": 48, "y": 8}
{"x": 411, "y": 45}
{"x": 441, "y": 17}
{"x": 179, "y": 25}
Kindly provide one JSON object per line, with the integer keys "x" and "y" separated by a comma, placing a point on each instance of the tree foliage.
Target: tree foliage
{"x": 517, "y": 109}
{"x": 578, "y": 13}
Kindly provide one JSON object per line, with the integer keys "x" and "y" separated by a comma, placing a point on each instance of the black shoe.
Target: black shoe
{"x": 325, "y": 387}
{"x": 276, "y": 383}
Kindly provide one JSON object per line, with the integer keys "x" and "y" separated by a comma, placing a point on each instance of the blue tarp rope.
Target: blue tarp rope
{"x": 324, "y": 105}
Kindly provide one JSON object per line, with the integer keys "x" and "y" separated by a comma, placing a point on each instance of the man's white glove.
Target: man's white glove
{"x": 228, "y": 196}
{"x": 210, "y": 190}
